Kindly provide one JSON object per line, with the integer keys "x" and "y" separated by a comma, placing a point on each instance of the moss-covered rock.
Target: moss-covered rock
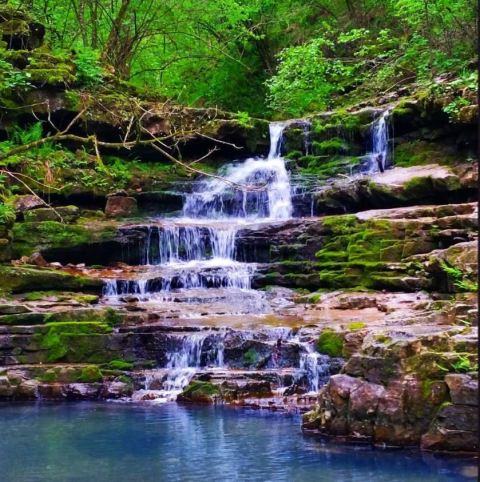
{"x": 20, "y": 279}
{"x": 199, "y": 392}
{"x": 30, "y": 237}
{"x": 79, "y": 342}
{"x": 330, "y": 343}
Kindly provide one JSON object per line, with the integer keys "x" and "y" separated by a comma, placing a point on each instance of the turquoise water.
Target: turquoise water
{"x": 111, "y": 442}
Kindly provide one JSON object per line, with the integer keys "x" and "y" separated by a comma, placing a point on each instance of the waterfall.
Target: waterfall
{"x": 189, "y": 355}
{"x": 254, "y": 189}
{"x": 313, "y": 366}
{"x": 199, "y": 248}
{"x": 114, "y": 288}
{"x": 204, "y": 352}
{"x": 170, "y": 244}
{"x": 378, "y": 157}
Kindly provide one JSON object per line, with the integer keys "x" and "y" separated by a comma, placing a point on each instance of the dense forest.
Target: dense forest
{"x": 263, "y": 57}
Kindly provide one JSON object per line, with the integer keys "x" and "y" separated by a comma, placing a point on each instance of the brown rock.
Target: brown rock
{"x": 38, "y": 260}
{"x": 27, "y": 202}
{"x": 352, "y": 343}
{"x": 27, "y": 390}
{"x": 454, "y": 428}
{"x": 81, "y": 391}
{"x": 463, "y": 389}
{"x": 6, "y": 389}
{"x": 118, "y": 206}
{"x": 364, "y": 400}
{"x": 340, "y": 387}
{"x": 117, "y": 390}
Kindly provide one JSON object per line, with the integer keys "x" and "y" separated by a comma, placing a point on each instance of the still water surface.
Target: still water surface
{"x": 111, "y": 442}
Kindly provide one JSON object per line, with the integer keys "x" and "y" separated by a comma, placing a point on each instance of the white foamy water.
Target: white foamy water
{"x": 378, "y": 157}
{"x": 199, "y": 247}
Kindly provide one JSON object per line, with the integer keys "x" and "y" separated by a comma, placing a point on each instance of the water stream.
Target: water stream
{"x": 378, "y": 157}
{"x": 198, "y": 248}
{"x": 195, "y": 253}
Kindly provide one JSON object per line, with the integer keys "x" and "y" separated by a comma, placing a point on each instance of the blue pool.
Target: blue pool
{"x": 89, "y": 442}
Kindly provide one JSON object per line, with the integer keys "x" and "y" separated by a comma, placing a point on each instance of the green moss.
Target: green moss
{"x": 250, "y": 357}
{"x": 382, "y": 338}
{"x": 75, "y": 342}
{"x": 199, "y": 392}
{"x": 120, "y": 365}
{"x": 356, "y": 326}
{"x": 107, "y": 315}
{"x": 419, "y": 186}
{"x": 87, "y": 299}
{"x": 418, "y": 152}
{"x": 325, "y": 167}
{"x": 294, "y": 155}
{"x": 427, "y": 387}
{"x": 204, "y": 387}
{"x": 28, "y": 237}
{"x": 125, "y": 379}
{"x": 90, "y": 374}
{"x": 314, "y": 298}
{"x": 330, "y": 343}
{"x": 39, "y": 295}
{"x": 85, "y": 374}
{"x": 19, "y": 279}
{"x": 49, "y": 376}
{"x": 60, "y": 296}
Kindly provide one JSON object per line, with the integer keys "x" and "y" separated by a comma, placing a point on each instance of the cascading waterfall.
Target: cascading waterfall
{"x": 171, "y": 244}
{"x": 184, "y": 360}
{"x": 254, "y": 189}
{"x": 115, "y": 288}
{"x": 198, "y": 249}
{"x": 378, "y": 157}
{"x": 190, "y": 353}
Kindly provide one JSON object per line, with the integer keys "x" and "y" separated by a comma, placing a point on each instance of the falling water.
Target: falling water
{"x": 378, "y": 157}
{"x": 114, "y": 288}
{"x": 314, "y": 367}
{"x": 203, "y": 255}
{"x": 254, "y": 189}
{"x": 204, "y": 351}
{"x": 189, "y": 354}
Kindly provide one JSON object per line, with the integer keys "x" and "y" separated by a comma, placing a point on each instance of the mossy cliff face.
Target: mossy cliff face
{"x": 368, "y": 250}
{"x": 335, "y": 144}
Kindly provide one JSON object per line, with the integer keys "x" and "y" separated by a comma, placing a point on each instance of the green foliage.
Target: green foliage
{"x": 7, "y": 214}
{"x": 251, "y": 55}
{"x": 453, "y": 108}
{"x": 306, "y": 78}
{"x": 243, "y": 118}
{"x": 89, "y": 72}
{"x": 460, "y": 279}
{"x": 464, "y": 365}
{"x": 13, "y": 79}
